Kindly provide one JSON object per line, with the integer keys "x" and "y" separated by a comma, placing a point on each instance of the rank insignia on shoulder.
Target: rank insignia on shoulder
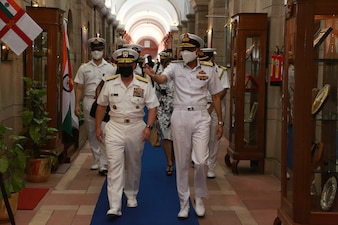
{"x": 112, "y": 77}
{"x": 223, "y": 67}
{"x": 145, "y": 80}
{"x": 206, "y": 63}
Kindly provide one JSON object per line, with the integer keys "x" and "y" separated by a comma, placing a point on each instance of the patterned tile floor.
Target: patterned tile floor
{"x": 245, "y": 199}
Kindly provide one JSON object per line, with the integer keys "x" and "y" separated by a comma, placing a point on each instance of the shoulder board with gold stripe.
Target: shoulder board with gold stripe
{"x": 223, "y": 70}
{"x": 206, "y": 63}
{"x": 223, "y": 67}
{"x": 145, "y": 80}
{"x": 176, "y": 61}
{"x": 112, "y": 77}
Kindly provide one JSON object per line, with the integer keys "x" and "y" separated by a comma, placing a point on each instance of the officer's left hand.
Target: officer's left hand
{"x": 145, "y": 134}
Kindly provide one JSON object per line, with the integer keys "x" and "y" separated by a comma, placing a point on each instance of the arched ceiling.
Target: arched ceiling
{"x": 148, "y": 18}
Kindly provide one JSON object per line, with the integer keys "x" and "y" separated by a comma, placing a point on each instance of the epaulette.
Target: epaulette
{"x": 176, "y": 61}
{"x": 223, "y": 70}
{"x": 112, "y": 77}
{"x": 206, "y": 63}
{"x": 145, "y": 80}
{"x": 223, "y": 67}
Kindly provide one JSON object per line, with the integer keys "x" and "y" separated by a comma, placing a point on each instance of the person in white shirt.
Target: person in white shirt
{"x": 127, "y": 94}
{"x": 207, "y": 58}
{"x": 87, "y": 78}
{"x": 190, "y": 120}
{"x": 140, "y": 61}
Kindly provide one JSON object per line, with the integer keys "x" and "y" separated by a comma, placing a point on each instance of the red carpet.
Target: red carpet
{"x": 30, "y": 197}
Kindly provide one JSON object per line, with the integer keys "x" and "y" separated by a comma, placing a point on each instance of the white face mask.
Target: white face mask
{"x": 97, "y": 54}
{"x": 188, "y": 56}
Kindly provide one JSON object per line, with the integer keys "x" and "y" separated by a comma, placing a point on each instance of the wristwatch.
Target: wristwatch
{"x": 148, "y": 126}
{"x": 221, "y": 123}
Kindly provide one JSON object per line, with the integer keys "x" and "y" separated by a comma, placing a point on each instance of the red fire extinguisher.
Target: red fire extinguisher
{"x": 276, "y": 73}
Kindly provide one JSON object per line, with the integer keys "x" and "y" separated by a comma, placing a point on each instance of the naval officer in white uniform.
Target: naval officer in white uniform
{"x": 87, "y": 78}
{"x": 127, "y": 94}
{"x": 190, "y": 120}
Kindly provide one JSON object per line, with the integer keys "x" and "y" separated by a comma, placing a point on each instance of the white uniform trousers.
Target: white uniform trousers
{"x": 124, "y": 152}
{"x": 190, "y": 131}
{"x": 213, "y": 142}
{"x": 98, "y": 149}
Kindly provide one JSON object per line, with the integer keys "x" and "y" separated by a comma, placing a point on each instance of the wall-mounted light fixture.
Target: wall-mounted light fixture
{"x": 34, "y": 4}
{"x": 6, "y": 53}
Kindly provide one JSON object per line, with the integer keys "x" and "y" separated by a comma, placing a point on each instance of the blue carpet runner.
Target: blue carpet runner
{"x": 158, "y": 202}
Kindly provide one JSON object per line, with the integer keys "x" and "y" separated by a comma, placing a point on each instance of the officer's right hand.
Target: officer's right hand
{"x": 148, "y": 70}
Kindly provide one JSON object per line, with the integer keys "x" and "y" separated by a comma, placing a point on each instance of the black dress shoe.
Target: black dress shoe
{"x": 103, "y": 172}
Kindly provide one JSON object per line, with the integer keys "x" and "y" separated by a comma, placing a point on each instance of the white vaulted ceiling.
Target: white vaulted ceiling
{"x": 147, "y": 18}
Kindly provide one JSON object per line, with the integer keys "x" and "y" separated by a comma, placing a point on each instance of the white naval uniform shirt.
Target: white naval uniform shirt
{"x": 127, "y": 102}
{"x": 138, "y": 70}
{"x": 90, "y": 75}
{"x": 224, "y": 80}
{"x": 192, "y": 85}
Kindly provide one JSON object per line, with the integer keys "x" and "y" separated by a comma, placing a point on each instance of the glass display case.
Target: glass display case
{"x": 309, "y": 125}
{"x": 247, "y": 91}
{"x": 43, "y": 64}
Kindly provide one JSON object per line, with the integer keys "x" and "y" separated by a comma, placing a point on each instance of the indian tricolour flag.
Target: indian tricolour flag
{"x": 17, "y": 28}
{"x": 69, "y": 119}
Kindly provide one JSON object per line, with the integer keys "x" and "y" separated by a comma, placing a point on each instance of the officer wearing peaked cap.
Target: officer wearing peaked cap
{"x": 127, "y": 94}
{"x": 208, "y": 54}
{"x": 87, "y": 79}
{"x": 191, "y": 41}
{"x": 96, "y": 43}
{"x": 158, "y": 68}
{"x": 138, "y": 48}
{"x": 190, "y": 120}
{"x": 208, "y": 58}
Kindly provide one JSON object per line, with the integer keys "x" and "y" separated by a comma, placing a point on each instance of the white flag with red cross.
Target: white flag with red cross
{"x": 17, "y": 28}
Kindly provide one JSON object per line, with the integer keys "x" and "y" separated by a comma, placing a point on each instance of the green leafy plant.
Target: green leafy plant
{"x": 35, "y": 121}
{"x": 12, "y": 161}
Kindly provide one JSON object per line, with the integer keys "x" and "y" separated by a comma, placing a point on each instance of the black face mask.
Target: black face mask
{"x": 126, "y": 71}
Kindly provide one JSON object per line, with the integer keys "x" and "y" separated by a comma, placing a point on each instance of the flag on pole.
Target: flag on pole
{"x": 69, "y": 119}
{"x": 17, "y": 28}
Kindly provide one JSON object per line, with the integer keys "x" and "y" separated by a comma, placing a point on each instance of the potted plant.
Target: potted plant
{"x": 12, "y": 169}
{"x": 36, "y": 129}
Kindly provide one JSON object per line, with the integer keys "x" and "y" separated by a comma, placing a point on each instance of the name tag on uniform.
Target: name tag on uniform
{"x": 138, "y": 92}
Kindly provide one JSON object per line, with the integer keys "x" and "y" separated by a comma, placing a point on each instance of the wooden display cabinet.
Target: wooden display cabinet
{"x": 247, "y": 91}
{"x": 309, "y": 126}
{"x": 43, "y": 64}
